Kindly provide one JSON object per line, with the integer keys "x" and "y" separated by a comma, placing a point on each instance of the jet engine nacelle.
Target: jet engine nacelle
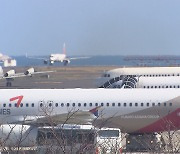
{"x": 18, "y": 135}
{"x": 9, "y": 73}
{"x": 66, "y": 62}
{"x": 29, "y": 71}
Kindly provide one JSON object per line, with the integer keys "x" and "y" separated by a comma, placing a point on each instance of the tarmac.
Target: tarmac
{"x": 64, "y": 77}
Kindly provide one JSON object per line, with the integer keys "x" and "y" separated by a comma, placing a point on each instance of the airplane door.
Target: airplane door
{"x": 45, "y": 107}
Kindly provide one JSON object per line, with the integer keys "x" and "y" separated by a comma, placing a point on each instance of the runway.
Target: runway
{"x": 64, "y": 77}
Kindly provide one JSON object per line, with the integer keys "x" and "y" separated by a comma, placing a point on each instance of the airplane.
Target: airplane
{"x": 134, "y": 111}
{"x": 116, "y": 77}
{"x": 10, "y": 75}
{"x": 57, "y": 57}
{"x": 144, "y": 82}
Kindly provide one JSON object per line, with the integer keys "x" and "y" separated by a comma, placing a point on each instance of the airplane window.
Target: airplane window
{"x": 151, "y": 86}
{"x": 164, "y": 104}
{"x": 56, "y": 104}
{"x": 159, "y": 86}
{"x": 32, "y": 104}
{"x": 136, "y": 104}
{"x": 166, "y": 86}
{"x": 68, "y": 104}
{"x": 165, "y": 75}
{"x": 10, "y": 105}
{"x": 162, "y": 74}
{"x": 153, "y": 75}
{"x": 159, "y": 104}
{"x": 155, "y": 86}
{"x": 107, "y": 104}
{"x": 170, "y": 104}
{"x": 147, "y": 104}
{"x": 173, "y": 75}
{"x": 102, "y": 104}
{"x": 178, "y": 86}
{"x": 156, "y": 75}
{"x": 79, "y": 104}
{"x": 21, "y": 105}
{"x": 73, "y": 104}
{"x": 4, "y": 105}
{"x": 62, "y": 104}
{"x": 15, "y": 104}
{"x": 90, "y": 104}
{"x": 96, "y": 104}
{"x": 168, "y": 75}
{"x": 147, "y": 86}
{"x": 85, "y": 104}
{"x": 144, "y": 86}
{"x": 162, "y": 86}
{"x": 41, "y": 105}
{"x": 50, "y": 104}
{"x": 142, "y": 104}
{"x": 113, "y": 104}
{"x": 170, "y": 86}
{"x": 124, "y": 104}
{"x": 174, "y": 86}
{"x": 153, "y": 104}
{"x": 130, "y": 104}
{"x": 119, "y": 104}
{"x": 27, "y": 105}
{"x": 177, "y": 74}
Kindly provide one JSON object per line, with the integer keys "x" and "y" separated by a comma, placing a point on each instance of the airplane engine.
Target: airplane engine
{"x": 29, "y": 71}
{"x": 9, "y": 73}
{"x": 66, "y": 62}
{"x": 18, "y": 135}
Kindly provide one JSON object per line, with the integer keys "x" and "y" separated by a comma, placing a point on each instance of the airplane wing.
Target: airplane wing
{"x": 75, "y": 117}
{"x": 74, "y": 58}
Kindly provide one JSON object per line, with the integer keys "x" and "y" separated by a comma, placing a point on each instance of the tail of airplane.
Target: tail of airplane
{"x": 64, "y": 48}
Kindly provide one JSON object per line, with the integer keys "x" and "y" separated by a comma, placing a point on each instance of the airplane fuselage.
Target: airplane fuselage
{"x": 132, "y": 110}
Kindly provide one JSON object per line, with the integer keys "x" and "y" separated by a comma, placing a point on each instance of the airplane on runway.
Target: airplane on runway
{"x": 116, "y": 77}
{"x": 57, "y": 57}
{"x": 10, "y": 75}
{"x": 131, "y": 110}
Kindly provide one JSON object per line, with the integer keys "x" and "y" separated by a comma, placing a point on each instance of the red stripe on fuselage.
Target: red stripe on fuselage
{"x": 169, "y": 122}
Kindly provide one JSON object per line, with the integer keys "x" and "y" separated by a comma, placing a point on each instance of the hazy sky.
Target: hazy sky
{"x": 90, "y": 27}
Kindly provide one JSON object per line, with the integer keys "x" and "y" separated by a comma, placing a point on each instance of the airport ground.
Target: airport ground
{"x": 64, "y": 77}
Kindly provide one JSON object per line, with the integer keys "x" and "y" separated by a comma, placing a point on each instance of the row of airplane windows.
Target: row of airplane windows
{"x": 162, "y": 86}
{"x": 91, "y": 104}
{"x": 147, "y": 75}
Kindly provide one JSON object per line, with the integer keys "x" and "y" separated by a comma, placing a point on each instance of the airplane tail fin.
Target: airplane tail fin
{"x": 64, "y": 48}
{"x": 95, "y": 111}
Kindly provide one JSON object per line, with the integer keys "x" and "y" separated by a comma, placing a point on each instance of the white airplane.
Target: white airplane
{"x": 4, "y": 57}
{"x": 131, "y": 110}
{"x": 11, "y": 74}
{"x": 115, "y": 77}
{"x": 57, "y": 57}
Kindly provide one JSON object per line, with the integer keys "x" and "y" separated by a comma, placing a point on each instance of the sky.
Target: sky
{"x": 90, "y": 27}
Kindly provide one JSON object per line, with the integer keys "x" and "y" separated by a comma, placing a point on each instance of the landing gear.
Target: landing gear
{"x": 8, "y": 84}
